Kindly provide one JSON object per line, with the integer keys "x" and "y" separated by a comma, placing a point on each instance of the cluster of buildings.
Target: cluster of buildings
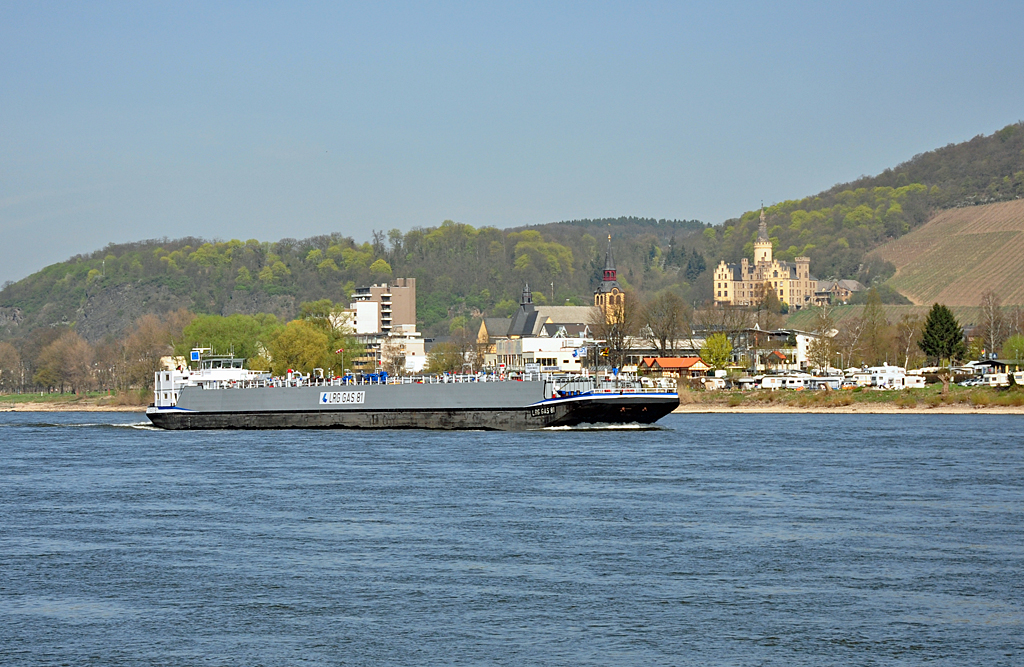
{"x": 383, "y": 319}
{"x": 550, "y": 338}
{"x": 561, "y": 338}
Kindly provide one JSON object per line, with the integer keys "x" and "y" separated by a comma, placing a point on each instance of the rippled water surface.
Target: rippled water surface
{"x": 720, "y": 539}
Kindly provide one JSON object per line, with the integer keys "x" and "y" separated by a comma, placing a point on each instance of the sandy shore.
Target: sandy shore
{"x": 69, "y": 407}
{"x": 861, "y": 409}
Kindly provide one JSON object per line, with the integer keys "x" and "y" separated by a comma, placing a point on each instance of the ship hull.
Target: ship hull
{"x": 599, "y": 409}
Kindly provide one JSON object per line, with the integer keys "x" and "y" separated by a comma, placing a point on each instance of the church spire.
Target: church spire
{"x": 609, "y": 262}
{"x": 527, "y": 296}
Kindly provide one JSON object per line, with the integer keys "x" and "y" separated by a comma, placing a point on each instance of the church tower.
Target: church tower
{"x": 763, "y": 244}
{"x": 609, "y": 296}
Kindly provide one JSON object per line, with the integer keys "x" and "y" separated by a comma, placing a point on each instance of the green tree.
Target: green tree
{"x": 943, "y": 338}
{"x": 244, "y": 336}
{"x": 1013, "y": 348}
{"x": 380, "y": 269}
{"x": 329, "y": 318}
{"x": 299, "y": 346}
{"x": 717, "y": 351}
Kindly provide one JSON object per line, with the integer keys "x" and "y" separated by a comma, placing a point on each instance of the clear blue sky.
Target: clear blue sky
{"x": 137, "y": 120}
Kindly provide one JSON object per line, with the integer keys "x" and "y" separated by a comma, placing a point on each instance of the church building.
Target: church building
{"x": 609, "y": 297}
{"x": 738, "y": 284}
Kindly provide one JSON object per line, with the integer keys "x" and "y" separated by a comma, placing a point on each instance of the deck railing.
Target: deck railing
{"x": 565, "y": 385}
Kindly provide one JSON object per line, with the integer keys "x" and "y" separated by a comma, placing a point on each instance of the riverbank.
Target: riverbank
{"x": 69, "y": 407}
{"x": 930, "y": 400}
{"x": 859, "y": 409}
{"x": 92, "y": 402}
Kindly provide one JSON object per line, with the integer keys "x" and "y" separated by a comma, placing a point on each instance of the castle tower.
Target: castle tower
{"x": 763, "y": 244}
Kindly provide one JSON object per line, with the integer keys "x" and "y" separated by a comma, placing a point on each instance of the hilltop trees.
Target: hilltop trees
{"x": 460, "y": 270}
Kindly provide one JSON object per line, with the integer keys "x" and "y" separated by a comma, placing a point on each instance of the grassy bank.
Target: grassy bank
{"x": 85, "y": 400}
{"x": 929, "y": 397}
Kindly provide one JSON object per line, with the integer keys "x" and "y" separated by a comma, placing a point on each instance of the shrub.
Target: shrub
{"x": 906, "y": 401}
{"x": 979, "y": 398}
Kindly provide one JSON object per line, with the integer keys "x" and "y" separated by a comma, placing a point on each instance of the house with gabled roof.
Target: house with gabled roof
{"x": 674, "y": 367}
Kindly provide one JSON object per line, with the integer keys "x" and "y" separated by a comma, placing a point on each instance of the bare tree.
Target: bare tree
{"x": 767, "y": 307}
{"x": 908, "y": 333}
{"x": 733, "y": 321}
{"x": 821, "y": 352}
{"x": 994, "y": 330}
{"x": 665, "y": 320}
{"x": 12, "y": 374}
{"x": 66, "y": 363}
{"x": 848, "y": 341}
{"x": 150, "y": 339}
{"x": 875, "y": 333}
{"x": 392, "y": 356}
{"x": 615, "y": 325}
{"x": 1015, "y": 322}
{"x": 379, "y": 249}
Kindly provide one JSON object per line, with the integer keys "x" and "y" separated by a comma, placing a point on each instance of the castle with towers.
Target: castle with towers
{"x": 744, "y": 283}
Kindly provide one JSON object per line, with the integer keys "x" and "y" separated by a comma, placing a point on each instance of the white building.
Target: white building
{"x": 554, "y": 354}
{"x": 361, "y": 317}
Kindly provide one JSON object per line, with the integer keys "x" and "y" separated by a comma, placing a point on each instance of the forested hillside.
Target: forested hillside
{"x": 460, "y": 270}
{"x": 836, "y": 228}
{"x": 465, "y": 272}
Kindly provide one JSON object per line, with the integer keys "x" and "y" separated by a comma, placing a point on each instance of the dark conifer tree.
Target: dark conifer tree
{"x": 943, "y": 337}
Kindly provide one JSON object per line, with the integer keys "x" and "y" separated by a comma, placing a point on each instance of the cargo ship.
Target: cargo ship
{"x": 222, "y": 394}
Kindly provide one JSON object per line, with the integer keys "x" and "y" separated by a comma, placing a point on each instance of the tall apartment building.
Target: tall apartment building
{"x": 397, "y": 303}
{"x": 740, "y": 284}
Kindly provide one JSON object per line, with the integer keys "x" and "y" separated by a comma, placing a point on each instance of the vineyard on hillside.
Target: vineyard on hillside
{"x": 806, "y": 320}
{"x": 961, "y": 253}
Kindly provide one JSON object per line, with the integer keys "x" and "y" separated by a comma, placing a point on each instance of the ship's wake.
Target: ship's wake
{"x": 142, "y": 426}
{"x": 608, "y": 427}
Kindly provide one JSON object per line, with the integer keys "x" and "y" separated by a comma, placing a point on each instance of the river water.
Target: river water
{"x": 718, "y": 539}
